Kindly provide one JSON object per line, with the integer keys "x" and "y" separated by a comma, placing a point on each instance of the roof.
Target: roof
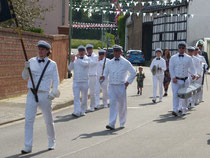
{"x": 155, "y": 7}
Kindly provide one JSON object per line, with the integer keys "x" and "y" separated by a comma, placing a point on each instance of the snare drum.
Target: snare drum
{"x": 185, "y": 92}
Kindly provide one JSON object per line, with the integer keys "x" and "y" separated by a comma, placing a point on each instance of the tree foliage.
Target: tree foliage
{"x": 28, "y": 12}
{"x": 121, "y": 29}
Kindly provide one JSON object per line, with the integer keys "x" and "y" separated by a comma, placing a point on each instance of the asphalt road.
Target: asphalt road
{"x": 151, "y": 132}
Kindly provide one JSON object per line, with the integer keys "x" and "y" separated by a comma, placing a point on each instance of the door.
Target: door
{"x": 147, "y": 33}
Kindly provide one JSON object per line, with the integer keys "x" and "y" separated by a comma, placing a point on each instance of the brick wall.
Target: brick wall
{"x": 12, "y": 58}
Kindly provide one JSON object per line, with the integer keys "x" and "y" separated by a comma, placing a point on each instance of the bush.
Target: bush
{"x": 77, "y": 42}
{"x": 36, "y": 30}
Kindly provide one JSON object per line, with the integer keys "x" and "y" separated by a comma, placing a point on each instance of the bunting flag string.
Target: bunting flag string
{"x": 95, "y": 26}
{"x": 126, "y": 4}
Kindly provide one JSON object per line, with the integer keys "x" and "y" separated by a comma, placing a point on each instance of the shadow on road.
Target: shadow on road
{"x": 145, "y": 104}
{"x": 96, "y": 134}
{"x": 28, "y": 155}
{"x": 65, "y": 118}
{"x": 169, "y": 117}
{"x": 208, "y": 142}
{"x": 71, "y": 117}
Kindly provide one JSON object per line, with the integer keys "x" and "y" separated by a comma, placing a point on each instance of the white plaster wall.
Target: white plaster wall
{"x": 199, "y": 25}
{"x": 53, "y": 19}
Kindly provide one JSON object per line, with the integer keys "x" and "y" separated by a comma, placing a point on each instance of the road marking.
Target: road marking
{"x": 103, "y": 141}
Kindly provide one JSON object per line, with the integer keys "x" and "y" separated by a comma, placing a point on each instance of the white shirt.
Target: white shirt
{"x": 197, "y": 64}
{"x": 100, "y": 66}
{"x": 51, "y": 74}
{"x": 179, "y": 66}
{"x": 203, "y": 61}
{"x": 93, "y": 65}
{"x": 80, "y": 67}
{"x": 117, "y": 71}
{"x": 159, "y": 64}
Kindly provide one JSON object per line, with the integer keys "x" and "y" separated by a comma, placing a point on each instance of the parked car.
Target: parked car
{"x": 135, "y": 57}
{"x": 109, "y": 53}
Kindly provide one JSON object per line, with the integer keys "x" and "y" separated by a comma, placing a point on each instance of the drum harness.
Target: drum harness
{"x": 35, "y": 91}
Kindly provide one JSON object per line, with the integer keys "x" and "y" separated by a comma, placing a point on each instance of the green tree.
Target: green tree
{"x": 27, "y": 13}
{"x": 121, "y": 29}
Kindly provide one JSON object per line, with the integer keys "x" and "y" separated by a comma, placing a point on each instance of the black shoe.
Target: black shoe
{"x": 138, "y": 92}
{"x": 154, "y": 101}
{"x": 110, "y": 127}
{"x": 25, "y": 152}
{"x": 51, "y": 148}
{"x": 165, "y": 94}
{"x": 74, "y": 115}
{"x": 174, "y": 113}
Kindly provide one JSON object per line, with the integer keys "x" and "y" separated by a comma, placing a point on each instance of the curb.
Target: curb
{"x": 55, "y": 108}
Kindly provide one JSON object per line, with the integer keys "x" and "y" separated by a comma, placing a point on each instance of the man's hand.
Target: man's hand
{"x": 72, "y": 57}
{"x": 199, "y": 76}
{"x": 193, "y": 77}
{"x": 51, "y": 96}
{"x": 27, "y": 65}
{"x": 102, "y": 78}
{"x": 174, "y": 80}
{"x": 126, "y": 84}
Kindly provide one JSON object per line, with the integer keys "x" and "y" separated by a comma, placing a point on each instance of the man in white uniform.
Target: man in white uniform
{"x": 92, "y": 75}
{"x": 102, "y": 63}
{"x": 179, "y": 66}
{"x": 204, "y": 70}
{"x": 44, "y": 100}
{"x": 198, "y": 70}
{"x": 117, "y": 71}
{"x": 159, "y": 66}
{"x": 80, "y": 65}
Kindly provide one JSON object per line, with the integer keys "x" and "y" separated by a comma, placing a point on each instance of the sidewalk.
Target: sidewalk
{"x": 13, "y": 109}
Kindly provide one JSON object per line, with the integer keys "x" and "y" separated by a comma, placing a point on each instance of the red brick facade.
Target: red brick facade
{"x": 12, "y": 58}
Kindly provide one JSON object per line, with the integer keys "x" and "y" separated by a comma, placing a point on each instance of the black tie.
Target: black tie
{"x": 180, "y": 55}
{"x": 157, "y": 58}
{"x": 41, "y": 60}
{"x": 116, "y": 59}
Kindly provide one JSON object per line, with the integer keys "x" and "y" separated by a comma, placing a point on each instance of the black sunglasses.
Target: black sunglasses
{"x": 182, "y": 47}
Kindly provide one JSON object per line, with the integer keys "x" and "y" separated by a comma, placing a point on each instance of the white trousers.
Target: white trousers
{"x": 158, "y": 80}
{"x": 192, "y": 100}
{"x": 118, "y": 104}
{"x": 80, "y": 88}
{"x": 92, "y": 86}
{"x": 102, "y": 86}
{"x": 199, "y": 97}
{"x": 30, "y": 114}
{"x": 176, "y": 100}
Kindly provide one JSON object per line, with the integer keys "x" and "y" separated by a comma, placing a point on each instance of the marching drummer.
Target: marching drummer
{"x": 198, "y": 70}
{"x": 179, "y": 66}
{"x": 204, "y": 69}
{"x": 158, "y": 66}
